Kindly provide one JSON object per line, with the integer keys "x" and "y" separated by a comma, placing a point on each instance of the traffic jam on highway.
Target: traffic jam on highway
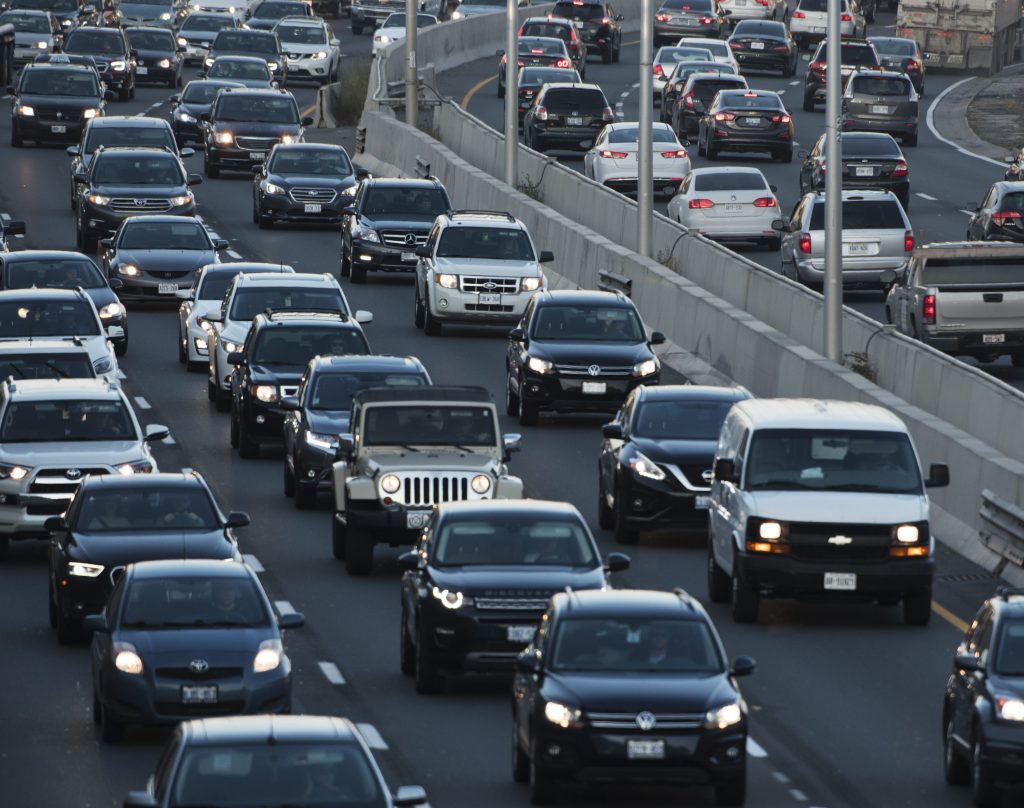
{"x": 417, "y": 400}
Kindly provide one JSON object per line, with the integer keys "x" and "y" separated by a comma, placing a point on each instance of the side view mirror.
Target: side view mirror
{"x": 175, "y": 99}
{"x": 15, "y": 227}
{"x": 349, "y": 210}
{"x": 109, "y": 95}
{"x": 362, "y": 174}
{"x": 364, "y": 317}
{"x": 155, "y": 432}
{"x": 938, "y": 476}
{"x": 500, "y": 52}
{"x": 291, "y": 620}
{"x": 95, "y": 622}
{"x": 546, "y": 257}
{"x": 72, "y": 151}
{"x": 140, "y": 799}
{"x": 133, "y": 53}
{"x": 204, "y": 116}
{"x": 183, "y": 294}
{"x": 12, "y": 91}
{"x": 743, "y": 666}
{"x": 617, "y": 562}
{"x": 725, "y": 470}
{"x": 346, "y": 443}
{"x": 409, "y": 562}
{"x": 307, "y": 120}
{"x": 966, "y": 662}
{"x": 289, "y": 404}
{"x": 511, "y": 441}
{"x": 115, "y": 283}
{"x": 237, "y": 519}
{"x": 195, "y": 179}
{"x": 214, "y": 317}
{"x": 423, "y": 251}
{"x": 657, "y": 338}
{"x": 106, "y": 243}
{"x": 408, "y": 796}
{"x": 781, "y": 226}
{"x": 221, "y": 244}
{"x": 1008, "y": 159}
{"x": 517, "y": 334}
{"x": 527, "y": 662}
{"x": 55, "y": 523}
{"x": 236, "y": 358}
{"x": 187, "y": 152}
{"x": 612, "y": 431}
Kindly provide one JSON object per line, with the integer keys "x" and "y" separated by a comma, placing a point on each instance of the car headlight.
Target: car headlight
{"x": 645, "y": 368}
{"x": 25, "y": 111}
{"x": 563, "y": 715}
{"x": 130, "y": 270}
{"x": 319, "y": 56}
{"x": 724, "y": 717}
{"x": 369, "y": 235}
{"x": 542, "y": 366}
{"x": 327, "y": 443}
{"x": 1010, "y": 708}
{"x": 208, "y": 61}
{"x": 383, "y": 39}
{"x": 118, "y": 65}
{"x": 80, "y": 569}
{"x": 451, "y": 600}
{"x": 11, "y": 472}
{"x": 907, "y": 534}
{"x": 769, "y": 531}
{"x": 126, "y": 658}
{"x": 182, "y": 42}
{"x": 111, "y": 310}
{"x": 532, "y": 284}
{"x": 137, "y": 467}
{"x": 184, "y": 117}
{"x": 390, "y": 484}
{"x": 202, "y": 323}
{"x": 88, "y": 114}
{"x": 446, "y": 280}
{"x": 177, "y": 201}
{"x": 228, "y": 346}
{"x": 351, "y": 190}
{"x": 457, "y": 15}
{"x": 164, "y": 62}
{"x": 98, "y": 199}
{"x": 267, "y": 393}
{"x": 165, "y": 16}
{"x": 271, "y": 188}
{"x": 645, "y": 467}
{"x": 65, "y": 23}
{"x": 273, "y": 65}
{"x": 42, "y": 45}
{"x": 103, "y": 365}
{"x": 480, "y": 484}
{"x": 268, "y": 657}
{"x": 224, "y": 138}
{"x": 289, "y": 138}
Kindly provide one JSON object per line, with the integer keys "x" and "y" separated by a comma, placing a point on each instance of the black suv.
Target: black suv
{"x": 983, "y": 710}
{"x": 480, "y": 577}
{"x": 9, "y": 227}
{"x": 270, "y": 364}
{"x": 188, "y": 108}
{"x": 127, "y": 181}
{"x": 159, "y": 59}
{"x": 599, "y": 25}
{"x": 242, "y": 42}
{"x": 304, "y": 182}
{"x": 629, "y": 686}
{"x": 577, "y": 351}
{"x": 856, "y": 53}
{"x": 871, "y": 161}
{"x": 386, "y": 222}
{"x": 654, "y": 469}
{"x": 320, "y": 410}
{"x": 696, "y": 96}
{"x": 53, "y": 101}
{"x": 113, "y": 56}
{"x": 566, "y": 116}
{"x": 245, "y": 124}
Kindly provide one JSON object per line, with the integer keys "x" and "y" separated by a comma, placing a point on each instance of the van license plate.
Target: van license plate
{"x": 167, "y": 288}
{"x": 595, "y": 388}
{"x": 521, "y": 633}
{"x": 842, "y": 581}
{"x": 645, "y": 750}
{"x": 59, "y": 129}
{"x": 199, "y": 694}
{"x": 701, "y": 503}
{"x": 312, "y": 207}
{"x": 490, "y": 300}
{"x": 993, "y": 339}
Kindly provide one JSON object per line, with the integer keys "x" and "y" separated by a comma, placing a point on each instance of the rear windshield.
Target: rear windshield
{"x": 47, "y": 318}
{"x": 759, "y": 28}
{"x": 856, "y": 147}
{"x": 729, "y": 181}
{"x": 559, "y": 30}
{"x": 743, "y": 101}
{"x": 863, "y": 215}
{"x": 872, "y": 85}
{"x": 250, "y": 302}
{"x": 671, "y": 55}
{"x": 659, "y": 134}
{"x": 294, "y": 347}
{"x": 539, "y": 46}
{"x": 534, "y": 77}
{"x": 245, "y": 41}
{"x": 589, "y": 102}
{"x": 966, "y": 271}
{"x": 128, "y": 136}
{"x": 40, "y": 365}
{"x": 818, "y": 5}
{"x": 687, "y": 5}
{"x": 852, "y": 54}
{"x": 895, "y": 47}
{"x": 706, "y": 88}
{"x": 486, "y": 244}
{"x": 579, "y": 11}
{"x": 684, "y": 70}
{"x": 58, "y": 273}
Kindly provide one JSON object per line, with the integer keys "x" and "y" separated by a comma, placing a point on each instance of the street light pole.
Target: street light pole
{"x": 833, "y": 285}
{"x": 645, "y": 145}
{"x": 511, "y": 94}
{"x": 412, "y": 102}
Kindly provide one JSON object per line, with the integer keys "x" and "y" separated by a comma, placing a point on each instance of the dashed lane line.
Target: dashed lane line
{"x": 794, "y": 83}
{"x": 798, "y": 795}
{"x": 142, "y": 403}
{"x": 120, "y": 376}
{"x": 333, "y": 675}
{"x": 780, "y": 777}
{"x": 372, "y": 737}
{"x": 754, "y": 749}
{"x": 253, "y": 562}
{"x": 929, "y": 197}
{"x": 966, "y": 212}
{"x": 233, "y": 254}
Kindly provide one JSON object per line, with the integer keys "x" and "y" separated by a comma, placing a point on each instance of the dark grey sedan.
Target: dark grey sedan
{"x": 187, "y": 638}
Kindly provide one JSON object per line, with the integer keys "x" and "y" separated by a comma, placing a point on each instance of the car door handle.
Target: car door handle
{"x": 993, "y": 297}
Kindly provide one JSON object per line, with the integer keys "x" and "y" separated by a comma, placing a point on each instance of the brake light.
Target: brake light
{"x": 661, "y": 17}
{"x": 912, "y": 64}
{"x": 900, "y": 170}
{"x": 504, "y": 60}
{"x": 765, "y": 202}
{"x": 724, "y": 116}
{"x": 908, "y": 241}
{"x": 736, "y": 45}
{"x": 538, "y": 51}
{"x": 606, "y": 21}
{"x": 1003, "y": 218}
{"x": 781, "y": 119}
{"x": 750, "y": 94}
{"x": 688, "y": 99}
{"x": 563, "y": 63}
{"x": 817, "y": 66}
{"x": 761, "y": 2}
{"x": 701, "y": 204}
{"x": 707, "y": 20}
{"x": 607, "y": 114}
{"x": 845, "y": 17}
{"x": 615, "y": 155}
{"x": 823, "y": 164}
{"x": 541, "y": 114}
{"x": 658, "y": 70}
{"x": 805, "y": 243}
{"x": 798, "y": 15}
{"x": 520, "y": 63}
{"x": 676, "y": 153}
{"x": 928, "y": 309}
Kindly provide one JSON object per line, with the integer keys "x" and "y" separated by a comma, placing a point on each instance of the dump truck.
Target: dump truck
{"x": 962, "y": 34}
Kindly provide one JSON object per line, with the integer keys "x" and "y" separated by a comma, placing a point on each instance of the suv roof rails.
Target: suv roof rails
{"x": 1006, "y": 592}
{"x": 271, "y": 313}
{"x": 497, "y": 214}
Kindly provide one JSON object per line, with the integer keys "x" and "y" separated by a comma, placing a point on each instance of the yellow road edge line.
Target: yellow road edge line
{"x": 308, "y": 111}
{"x": 464, "y": 103}
{"x": 949, "y": 617}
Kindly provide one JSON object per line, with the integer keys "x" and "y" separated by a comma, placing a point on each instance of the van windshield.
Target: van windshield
{"x": 832, "y": 460}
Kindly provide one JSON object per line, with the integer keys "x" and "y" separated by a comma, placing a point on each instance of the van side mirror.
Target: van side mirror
{"x": 938, "y": 476}
{"x": 967, "y": 662}
{"x": 290, "y": 403}
{"x": 409, "y": 562}
{"x": 55, "y": 523}
{"x": 657, "y": 338}
{"x": 511, "y": 442}
{"x": 517, "y": 334}
{"x": 725, "y": 470}
{"x": 780, "y": 225}
{"x": 307, "y": 120}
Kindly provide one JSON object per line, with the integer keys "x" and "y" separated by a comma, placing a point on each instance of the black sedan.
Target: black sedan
{"x": 53, "y": 101}
{"x": 114, "y": 522}
{"x": 185, "y": 638}
{"x": 671, "y": 95}
{"x": 536, "y": 51}
{"x": 1000, "y": 216}
{"x": 155, "y": 256}
{"x": 58, "y": 269}
{"x": 577, "y": 351}
{"x": 746, "y": 121}
{"x": 871, "y": 160}
{"x": 188, "y": 108}
{"x": 308, "y": 183}
{"x": 531, "y": 79}
{"x": 764, "y": 45}
{"x": 654, "y": 470}
{"x": 481, "y": 576}
{"x": 159, "y": 59}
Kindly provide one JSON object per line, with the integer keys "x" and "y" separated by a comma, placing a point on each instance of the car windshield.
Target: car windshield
{"x": 884, "y": 214}
{"x": 579, "y": 11}
{"x": 687, "y": 5}
{"x": 301, "y": 34}
{"x": 587, "y": 324}
{"x": 202, "y": 92}
{"x": 729, "y": 181}
{"x": 175, "y": 507}
{"x": 294, "y": 347}
{"x": 334, "y": 391}
{"x": 264, "y": 109}
{"x": 64, "y": 421}
{"x": 754, "y": 101}
{"x": 671, "y": 55}
{"x": 1010, "y": 654}
{"x": 631, "y": 134}
{"x": 104, "y": 43}
{"x": 872, "y": 85}
{"x": 429, "y": 425}
{"x": 311, "y": 162}
{"x": 486, "y": 244}
{"x": 146, "y": 2}
{"x": 59, "y": 273}
{"x": 405, "y": 201}
{"x": 60, "y": 82}
{"x": 48, "y": 318}
{"x": 47, "y": 5}
{"x": 129, "y": 136}
{"x": 213, "y": 285}
{"x": 208, "y": 22}
{"x": 611, "y": 645}
{"x": 536, "y": 76}
{"x": 43, "y": 365}
{"x": 151, "y": 170}
{"x": 152, "y": 40}
{"x": 832, "y": 460}
{"x": 275, "y": 10}
{"x": 541, "y": 47}
{"x": 228, "y": 68}
{"x": 514, "y": 539}
{"x": 185, "y": 602}
{"x": 246, "y": 41}
{"x": 895, "y": 47}
{"x": 169, "y": 235}
{"x": 680, "y": 420}
{"x": 558, "y": 30}
{"x": 250, "y": 302}
{"x": 334, "y": 774}
{"x": 26, "y": 23}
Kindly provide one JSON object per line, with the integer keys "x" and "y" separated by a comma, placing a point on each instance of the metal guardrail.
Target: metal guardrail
{"x": 422, "y": 168}
{"x": 360, "y": 139}
{"x": 1002, "y": 529}
{"x": 614, "y": 282}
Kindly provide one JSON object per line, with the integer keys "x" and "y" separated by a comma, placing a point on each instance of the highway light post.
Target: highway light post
{"x": 645, "y": 145}
{"x": 833, "y": 285}
{"x": 511, "y": 94}
{"x": 412, "y": 102}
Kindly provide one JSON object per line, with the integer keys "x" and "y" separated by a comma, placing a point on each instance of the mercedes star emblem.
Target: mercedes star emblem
{"x": 646, "y": 721}
{"x": 73, "y": 474}
{"x": 594, "y": 370}
{"x": 410, "y": 238}
{"x": 200, "y": 666}
{"x": 840, "y": 541}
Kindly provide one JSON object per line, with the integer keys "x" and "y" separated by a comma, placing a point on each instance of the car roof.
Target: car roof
{"x": 159, "y": 218}
{"x": 42, "y": 294}
{"x": 276, "y": 729}
{"x": 506, "y": 508}
{"x": 56, "y": 66}
{"x": 13, "y": 345}
{"x": 239, "y": 57}
{"x": 728, "y": 170}
{"x": 856, "y": 195}
{"x": 625, "y": 603}
{"x": 402, "y": 182}
{"x": 582, "y": 296}
{"x": 129, "y": 121}
{"x": 345, "y": 363}
{"x": 154, "y": 28}
{"x": 159, "y": 479}
{"x": 392, "y": 395}
{"x": 482, "y": 218}
{"x": 45, "y": 389}
{"x": 814, "y": 414}
{"x": 187, "y": 568}
{"x": 546, "y": 20}
{"x": 246, "y": 267}
{"x": 256, "y": 92}
{"x": 126, "y": 152}
{"x": 293, "y": 279}
{"x": 41, "y": 255}
{"x": 307, "y": 146}
{"x": 614, "y": 127}
{"x": 224, "y": 83}
{"x": 1009, "y": 599}
{"x": 579, "y": 85}
{"x": 691, "y": 392}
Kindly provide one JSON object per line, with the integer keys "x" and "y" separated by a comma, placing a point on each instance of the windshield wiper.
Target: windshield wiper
{"x": 219, "y": 624}
{"x": 56, "y": 370}
{"x": 16, "y": 369}
{"x": 853, "y": 487}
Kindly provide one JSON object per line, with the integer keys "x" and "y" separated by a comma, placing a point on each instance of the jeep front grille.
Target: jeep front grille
{"x": 423, "y": 489}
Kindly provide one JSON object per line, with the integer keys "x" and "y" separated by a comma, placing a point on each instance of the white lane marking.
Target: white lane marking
{"x": 797, "y": 794}
{"x": 967, "y": 212}
{"x": 926, "y": 196}
{"x": 624, "y": 94}
{"x": 121, "y": 376}
{"x": 636, "y": 86}
{"x": 371, "y": 736}
{"x": 284, "y": 607}
{"x": 930, "y": 120}
{"x": 199, "y": 217}
{"x": 168, "y": 441}
{"x": 333, "y": 675}
{"x": 780, "y": 777}
{"x": 794, "y": 83}
{"x": 754, "y": 749}
{"x": 782, "y": 91}
{"x": 142, "y": 403}
{"x": 233, "y": 254}
{"x": 253, "y": 562}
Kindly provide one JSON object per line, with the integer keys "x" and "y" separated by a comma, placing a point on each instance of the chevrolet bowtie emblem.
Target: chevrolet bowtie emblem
{"x": 840, "y": 541}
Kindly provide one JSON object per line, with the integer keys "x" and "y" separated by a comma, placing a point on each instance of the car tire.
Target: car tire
{"x": 917, "y": 608}
{"x": 910, "y": 140}
{"x": 431, "y": 325}
{"x": 428, "y": 680}
{"x": 955, "y": 767}
{"x": 790, "y": 70}
{"x": 719, "y": 585}
{"x": 233, "y": 430}
{"x": 746, "y": 601}
{"x": 110, "y": 730}
{"x": 733, "y": 792}
{"x": 511, "y": 398}
{"x": 406, "y": 650}
{"x": 247, "y": 447}
{"x": 785, "y": 156}
{"x": 542, "y": 786}
{"x": 182, "y": 350}
{"x": 124, "y": 94}
{"x": 357, "y": 272}
{"x": 344, "y": 264}
{"x": 700, "y": 145}
{"x": 173, "y": 82}
{"x": 528, "y": 412}
{"x": 624, "y": 533}
{"x": 418, "y": 312}
{"x": 520, "y": 760}
{"x": 52, "y": 602}
{"x": 212, "y": 171}
{"x": 616, "y": 54}
{"x": 501, "y": 89}
{"x": 289, "y": 480}
{"x": 221, "y": 399}
{"x": 305, "y": 496}
{"x": 605, "y": 515}
{"x": 808, "y": 102}
{"x": 986, "y": 793}
{"x": 16, "y": 139}
{"x": 710, "y": 152}
{"x": 358, "y": 552}
{"x": 262, "y": 222}
{"x": 339, "y": 538}
{"x": 67, "y": 633}
{"x": 608, "y": 54}
{"x": 5, "y": 547}
{"x": 904, "y": 200}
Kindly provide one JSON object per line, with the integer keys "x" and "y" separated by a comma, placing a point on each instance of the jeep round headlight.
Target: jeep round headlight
{"x": 390, "y": 484}
{"x": 481, "y": 484}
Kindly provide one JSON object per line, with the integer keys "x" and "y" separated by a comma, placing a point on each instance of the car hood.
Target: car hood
{"x": 1007, "y": 685}
{"x": 629, "y": 692}
{"x": 195, "y": 35}
{"x": 266, "y": 57}
{"x": 195, "y": 110}
{"x": 260, "y": 24}
{"x": 261, "y": 374}
{"x": 518, "y": 580}
{"x": 436, "y": 458}
{"x": 87, "y": 454}
{"x": 101, "y": 296}
{"x": 142, "y": 190}
{"x": 586, "y": 353}
{"x": 256, "y": 84}
{"x": 28, "y": 38}
{"x": 148, "y": 54}
{"x": 677, "y": 451}
{"x": 235, "y": 331}
{"x": 306, "y": 181}
{"x": 212, "y": 644}
{"x": 400, "y": 222}
{"x": 475, "y": 266}
{"x": 328, "y": 422}
{"x": 60, "y": 101}
{"x": 165, "y": 260}
{"x": 127, "y": 547}
{"x": 257, "y": 128}
{"x": 832, "y": 506}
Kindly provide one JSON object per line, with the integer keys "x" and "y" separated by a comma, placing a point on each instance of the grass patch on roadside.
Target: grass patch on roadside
{"x": 348, "y": 96}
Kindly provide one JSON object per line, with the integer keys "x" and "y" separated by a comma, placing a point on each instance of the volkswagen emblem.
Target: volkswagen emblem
{"x": 200, "y": 666}
{"x": 707, "y": 475}
{"x": 646, "y": 721}
{"x": 410, "y": 238}
{"x": 73, "y": 474}
{"x": 594, "y": 370}
{"x": 840, "y": 541}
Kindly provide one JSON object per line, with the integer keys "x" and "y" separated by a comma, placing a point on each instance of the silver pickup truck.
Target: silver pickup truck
{"x": 965, "y": 298}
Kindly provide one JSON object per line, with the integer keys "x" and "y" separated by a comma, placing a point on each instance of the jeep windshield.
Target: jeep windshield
{"x": 429, "y": 425}
{"x": 832, "y": 460}
{"x": 513, "y": 540}
{"x": 48, "y": 318}
{"x": 60, "y": 421}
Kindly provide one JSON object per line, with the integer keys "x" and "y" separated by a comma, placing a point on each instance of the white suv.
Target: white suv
{"x": 476, "y": 267}
{"x": 311, "y": 50}
{"x": 59, "y": 313}
{"x": 250, "y": 294}
{"x": 53, "y": 434}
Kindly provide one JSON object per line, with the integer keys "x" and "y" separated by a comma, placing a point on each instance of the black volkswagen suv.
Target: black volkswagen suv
{"x": 110, "y": 51}
{"x": 577, "y": 351}
{"x": 304, "y": 182}
{"x": 629, "y": 686}
{"x": 53, "y": 101}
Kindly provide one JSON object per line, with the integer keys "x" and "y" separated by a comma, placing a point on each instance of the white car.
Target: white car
{"x": 754, "y": 9}
{"x": 393, "y": 29}
{"x": 236, "y": 8}
{"x": 666, "y": 59}
{"x": 720, "y": 50}
{"x": 613, "y": 159}
{"x": 728, "y": 203}
{"x": 809, "y": 19}
{"x": 311, "y": 50}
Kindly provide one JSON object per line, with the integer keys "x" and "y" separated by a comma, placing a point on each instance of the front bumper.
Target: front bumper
{"x": 195, "y": 53}
{"x": 31, "y": 128}
{"x": 263, "y": 422}
{"x": 660, "y": 504}
{"x": 25, "y": 54}
{"x": 233, "y": 158}
{"x": 380, "y": 257}
{"x": 1002, "y": 752}
{"x": 309, "y": 68}
{"x": 469, "y": 640}
{"x": 282, "y": 208}
{"x": 454, "y": 305}
{"x": 566, "y": 394}
{"x": 26, "y": 522}
{"x": 154, "y": 74}
{"x": 385, "y": 524}
{"x": 102, "y": 221}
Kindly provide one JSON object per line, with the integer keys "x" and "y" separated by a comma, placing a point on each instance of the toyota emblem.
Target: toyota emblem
{"x": 73, "y": 474}
{"x": 140, "y": 202}
{"x": 594, "y": 370}
{"x": 201, "y": 666}
{"x": 646, "y": 721}
{"x": 410, "y": 238}
{"x": 59, "y": 114}
{"x": 707, "y": 475}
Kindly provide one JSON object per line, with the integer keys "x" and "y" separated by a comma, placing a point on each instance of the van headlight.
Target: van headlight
{"x": 390, "y": 483}
{"x": 118, "y": 65}
{"x": 224, "y": 138}
{"x": 88, "y": 114}
{"x": 319, "y": 56}
{"x": 769, "y": 531}
{"x": 268, "y": 657}
{"x": 164, "y": 63}
{"x": 724, "y": 717}
{"x": 907, "y": 534}
{"x": 228, "y": 346}
{"x": 1010, "y": 708}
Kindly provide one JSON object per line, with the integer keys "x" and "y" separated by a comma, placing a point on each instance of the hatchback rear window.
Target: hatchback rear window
{"x": 896, "y": 47}
{"x": 1012, "y": 202}
{"x": 856, "y": 147}
{"x": 874, "y": 85}
{"x": 706, "y": 88}
{"x": 580, "y": 11}
{"x": 817, "y": 5}
{"x": 863, "y": 214}
{"x": 729, "y": 181}
{"x": 589, "y": 102}
{"x": 687, "y": 5}
{"x": 559, "y": 30}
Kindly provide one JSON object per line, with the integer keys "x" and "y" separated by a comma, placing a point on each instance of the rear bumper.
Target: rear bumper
{"x": 861, "y": 272}
{"x": 972, "y": 343}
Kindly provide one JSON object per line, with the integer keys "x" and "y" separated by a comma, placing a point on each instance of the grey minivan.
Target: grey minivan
{"x": 882, "y": 101}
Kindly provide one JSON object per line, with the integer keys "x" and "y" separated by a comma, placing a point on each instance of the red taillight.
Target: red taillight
{"x": 520, "y": 63}
{"x": 541, "y": 114}
{"x": 845, "y": 17}
{"x": 761, "y": 2}
{"x": 615, "y": 155}
{"x": 765, "y": 202}
{"x": 707, "y": 20}
{"x": 563, "y": 63}
{"x": 900, "y": 170}
{"x": 736, "y": 45}
{"x": 676, "y": 153}
{"x": 781, "y": 119}
{"x": 661, "y": 17}
{"x": 607, "y": 114}
{"x": 688, "y": 99}
{"x": 537, "y": 51}
{"x": 928, "y": 309}
{"x": 912, "y": 64}
{"x": 701, "y": 204}
{"x": 658, "y": 70}
{"x": 817, "y": 67}
{"x": 798, "y": 15}
{"x": 504, "y": 60}
{"x": 606, "y": 21}
{"x": 1002, "y": 218}
{"x": 781, "y": 49}
{"x": 805, "y": 243}
{"x": 724, "y": 116}
{"x": 908, "y": 241}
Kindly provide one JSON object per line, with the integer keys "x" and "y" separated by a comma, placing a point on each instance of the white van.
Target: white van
{"x": 819, "y": 499}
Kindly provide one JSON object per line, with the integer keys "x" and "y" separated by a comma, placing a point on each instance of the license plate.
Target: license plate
{"x": 993, "y": 339}
{"x": 574, "y": 120}
{"x": 752, "y": 121}
{"x": 955, "y": 59}
{"x": 141, "y": 71}
{"x": 59, "y": 129}
{"x": 645, "y": 750}
{"x": 257, "y": 155}
{"x": 739, "y": 2}
{"x": 702, "y": 503}
{"x": 842, "y": 581}
{"x": 167, "y": 288}
{"x": 757, "y": 46}
{"x": 408, "y": 256}
{"x": 817, "y": 29}
{"x": 731, "y": 208}
{"x": 522, "y": 634}
{"x": 199, "y": 694}
{"x": 595, "y": 388}
{"x": 312, "y": 207}
{"x": 689, "y": 23}
{"x": 860, "y": 248}
{"x": 416, "y": 519}
{"x": 490, "y": 300}
{"x": 879, "y": 109}
{"x": 864, "y": 171}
